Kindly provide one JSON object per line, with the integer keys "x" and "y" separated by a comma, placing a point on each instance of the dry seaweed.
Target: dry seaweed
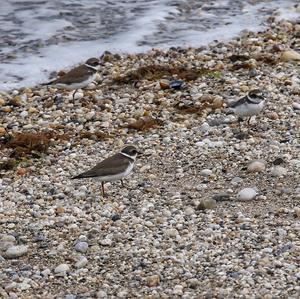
{"x": 33, "y": 144}
{"x": 155, "y": 72}
{"x": 93, "y": 135}
{"x": 8, "y": 164}
{"x": 189, "y": 106}
{"x": 144, "y": 123}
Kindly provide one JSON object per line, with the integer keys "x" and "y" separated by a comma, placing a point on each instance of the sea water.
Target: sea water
{"x": 39, "y": 36}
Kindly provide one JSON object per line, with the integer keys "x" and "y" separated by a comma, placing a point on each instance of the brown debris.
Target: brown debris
{"x": 242, "y": 61}
{"x": 239, "y": 57}
{"x": 33, "y": 144}
{"x": 93, "y": 135}
{"x": 144, "y": 123}
{"x": 204, "y": 102}
{"x": 155, "y": 72}
{"x": 21, "y": 171}
{"x": 8, "y": 164}
{"x": 266, "y": 58}
{"x": 24, "y": 144}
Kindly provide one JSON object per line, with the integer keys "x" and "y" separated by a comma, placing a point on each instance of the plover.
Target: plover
{"x": 249, "y": 105}
{"x": 113, "y": 168}
{"x": 79, "y": 77}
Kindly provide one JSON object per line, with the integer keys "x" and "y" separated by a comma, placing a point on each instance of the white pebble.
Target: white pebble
{"x": 296, "y": 106}
{"x": 256, "y": 166}
{"x": 81, "y": 263}
{"x": 171, "y": 232}
{"x": 247, "y": 194}
{"x": 24, "y": 114}
{"x": 278, "y": 171}
{"x": 106, "y": 242}
{"x": 16, "y": 251}
{"x": 82, "y": 247}
{"x": 62, "y": 269}
{"x": 206, "y": 172}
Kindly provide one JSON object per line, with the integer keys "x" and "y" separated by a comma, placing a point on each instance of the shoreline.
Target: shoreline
{"x": 44, "y": 52}
{"x": 178, "y": 228}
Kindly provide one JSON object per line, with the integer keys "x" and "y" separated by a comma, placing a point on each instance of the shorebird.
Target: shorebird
{"x": 248, "y": 106}
{"x": 79, "y": 77}
{"x": 113, "y": 168}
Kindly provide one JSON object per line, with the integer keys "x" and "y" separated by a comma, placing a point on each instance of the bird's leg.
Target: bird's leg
{"x": 102, "y": 187}
{"x": 239, "y": 121}
{"x": 74, "y": 94}
{"x": 248, "y": 122}
{"x": 122, "y": 183}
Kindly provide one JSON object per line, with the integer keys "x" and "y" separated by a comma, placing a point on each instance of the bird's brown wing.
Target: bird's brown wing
{"x": 76, "y": 75}
{"x": 239, "y": 102}
{"x": 110, "y": 166}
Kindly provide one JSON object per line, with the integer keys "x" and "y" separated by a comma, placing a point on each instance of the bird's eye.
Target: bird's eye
{"x": 134, "y": 152}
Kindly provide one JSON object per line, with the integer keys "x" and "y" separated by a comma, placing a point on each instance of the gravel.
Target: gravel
{"x": 194, "y": 220}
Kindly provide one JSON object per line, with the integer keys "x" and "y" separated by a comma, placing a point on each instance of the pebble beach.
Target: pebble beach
{"x": 209, "y": 211}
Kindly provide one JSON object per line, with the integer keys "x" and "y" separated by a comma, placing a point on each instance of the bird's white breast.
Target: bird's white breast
{"x": 116, "y": 177}
{"x": 248, "y": 109}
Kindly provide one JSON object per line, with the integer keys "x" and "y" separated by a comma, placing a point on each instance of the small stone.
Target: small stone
{"x": 6, "y": 109}
{"x": 115, "y": 217}
{"x": 171, "y": 232}
{"x": 278, "y": 171}
{"x": 164, "y": 84}
{"x": 32, "y": 110}
{"x": 281, "y": 232}
{"x": 62, "y": 269}
{"x": 207, "y": 204}
{"x": 217, "y": 103}
{"x": 290, "y": 55}
{"x": 153, "y": 281}
{"x": 223, "y": 196}
{"x": 256, "y": 166}
{"x": 106, "y": 242}
{"x": 16, "y": 101}
{"x": 297, "y": 212}
{"x": 101, "y": 295}
{"x": 252, "y": 72}
{"x": 46, "y": 272}
{"x": 247, "y": 194}
{"x": 82, "y": 262}
{"x": 2, "y": 102}
{"x": 189, "y": 211}
{"x": 205, "y": 127}
{"x": 16, "y": 251}
{"x": 23, "y": 286}
{"x": 178, "y": 290}
{"x": 278, "y": 161}
{"x": 296, "y": 106}
{"x": 59, "y": 210}
{"x": 6, "y": 241}
{"x": 272, "y": 115}
{"x": 82, "y": 247}
{"x": 206, "y": 172}
{"x": 21, "y": 171}
{"x": 2, "y": 131}
{"x": 193, "y": 283}
{"x": 24, "y": 114}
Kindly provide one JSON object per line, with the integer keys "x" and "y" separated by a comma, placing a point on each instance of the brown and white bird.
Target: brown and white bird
{"x": 113, "y": 168}
{"x": 249, "y": 105}
{"x": 79, "y": 77}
